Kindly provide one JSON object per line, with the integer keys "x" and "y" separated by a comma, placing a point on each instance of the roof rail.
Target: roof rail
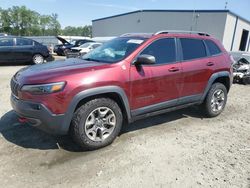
{"x": 180, "y": 31}
{"x": 131, "y": 34}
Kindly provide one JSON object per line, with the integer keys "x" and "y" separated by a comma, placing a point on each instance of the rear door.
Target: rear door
{"x": 23, "y": 50}
{"x": 156, "y": 86}
{"x": 196, "y": 69}
{"x": 6, "y": 49}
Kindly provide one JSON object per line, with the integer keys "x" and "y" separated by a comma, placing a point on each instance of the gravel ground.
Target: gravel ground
{"x": 177, "y": 149}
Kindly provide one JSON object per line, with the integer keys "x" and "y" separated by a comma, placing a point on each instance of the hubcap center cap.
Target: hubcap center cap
{"x": 99, "y": 122}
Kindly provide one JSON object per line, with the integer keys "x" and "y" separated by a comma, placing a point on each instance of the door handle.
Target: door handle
{"x": 173, "y": 69}
{"x": 210, "y": 64}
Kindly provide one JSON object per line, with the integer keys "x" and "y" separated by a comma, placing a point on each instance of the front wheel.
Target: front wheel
{"x": 38, "y": 59}
{"x": 66, "y": 51}
{"x": 216, "y": 100}
{"x": 96, "y": 123}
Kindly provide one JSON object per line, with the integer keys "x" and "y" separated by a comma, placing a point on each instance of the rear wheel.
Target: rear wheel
{"x": 96, "y": 123}
{"x": 216, "y": 100}
{"x": 38, "y": 59}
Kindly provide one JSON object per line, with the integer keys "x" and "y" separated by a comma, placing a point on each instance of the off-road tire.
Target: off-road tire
{"x": 207, "y": 104}
{"x": 77, "y": 128}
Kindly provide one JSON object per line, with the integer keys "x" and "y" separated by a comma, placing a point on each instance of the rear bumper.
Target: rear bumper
{"x": 49, "y": 58}
{"x": 39, "y": 116}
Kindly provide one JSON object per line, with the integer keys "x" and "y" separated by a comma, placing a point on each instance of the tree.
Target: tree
{"x": 5, "y": 21}
{"x": 44, "y": 23}
{"x": 22, "y": 21}
{"x": 87, "y": 31}
{"x": 55, "y": 26}
{"x": 25, "y": 22}
{"x": 78, "y": 31}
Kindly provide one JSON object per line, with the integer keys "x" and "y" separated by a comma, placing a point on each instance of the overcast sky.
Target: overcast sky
{"x": 81, "y": 12}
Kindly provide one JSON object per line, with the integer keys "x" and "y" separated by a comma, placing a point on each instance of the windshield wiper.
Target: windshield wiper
{"x": 90, "y": 59}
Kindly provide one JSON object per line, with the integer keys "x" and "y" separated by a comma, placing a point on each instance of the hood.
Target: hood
{"x": 85, "y": 50}
{"x": 54, "y": 70}
{"x": 62, "y": 40}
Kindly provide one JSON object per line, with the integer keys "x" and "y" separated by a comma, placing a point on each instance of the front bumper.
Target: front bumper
{"x": 39, "y": 116}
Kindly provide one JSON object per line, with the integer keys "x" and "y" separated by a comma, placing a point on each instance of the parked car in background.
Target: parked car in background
{"x": 83, "y": 49}
{"x": 131, "y": 77}
{"x": 65, "y": 47}
{"x": 241, "y": 67}
{"x": 87, "y": 47}
{"x": 22, "y": 50}
{"x": 3, "y": 34}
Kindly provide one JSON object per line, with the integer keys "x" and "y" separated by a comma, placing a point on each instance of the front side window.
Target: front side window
{"x": 163, "y": 50}
{"x": 114, "y": 50}
{"x": 23, "y": 42}
{"x": 212, "y": 47}
{"x": 6, "y": 42}
{"x": 192, "y": 48}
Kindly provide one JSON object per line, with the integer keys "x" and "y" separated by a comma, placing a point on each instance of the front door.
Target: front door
{"x": 156, "y": 86}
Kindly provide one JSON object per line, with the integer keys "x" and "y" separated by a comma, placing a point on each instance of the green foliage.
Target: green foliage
{"x": 25, "y": 22}
{"x": 78, "y": 31}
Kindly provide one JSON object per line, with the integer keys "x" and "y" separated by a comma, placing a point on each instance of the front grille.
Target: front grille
{"x": 14, "y": 86}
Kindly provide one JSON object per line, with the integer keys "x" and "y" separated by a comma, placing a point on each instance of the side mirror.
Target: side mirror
{"x": 145, "y": 59}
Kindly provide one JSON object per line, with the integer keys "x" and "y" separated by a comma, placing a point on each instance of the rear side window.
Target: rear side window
{"x": 163, "y": 50}
{"x": 23, "y": 42}
{"x": 212, "y": 47}
{"x": 6, "y": 42}
{"x": 192, "y": 48}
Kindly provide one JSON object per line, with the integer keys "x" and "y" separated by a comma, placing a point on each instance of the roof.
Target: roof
{"x": 198, "y": 11}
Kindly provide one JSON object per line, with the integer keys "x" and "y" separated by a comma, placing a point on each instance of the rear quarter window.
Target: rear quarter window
{"x": 192, "y": 48}
{"x": 212, "y": 47}
{"x": 6, "y": 42}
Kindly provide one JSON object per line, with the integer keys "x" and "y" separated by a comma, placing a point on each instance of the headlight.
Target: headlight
{"x": 44, "y": 88}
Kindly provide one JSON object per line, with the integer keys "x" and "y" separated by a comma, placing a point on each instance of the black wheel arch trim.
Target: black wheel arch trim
{"x": 213, "y": 78}
{"x": 95, "y": 91}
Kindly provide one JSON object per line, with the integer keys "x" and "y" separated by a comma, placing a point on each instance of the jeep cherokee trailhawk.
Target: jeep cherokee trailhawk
{"x": 127, "y": 78}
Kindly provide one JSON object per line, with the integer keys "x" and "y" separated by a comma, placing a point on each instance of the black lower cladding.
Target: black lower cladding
{"x": 39, "y": 116}
{"x": 168, "y": 104}
{"x": 14, "y": 86}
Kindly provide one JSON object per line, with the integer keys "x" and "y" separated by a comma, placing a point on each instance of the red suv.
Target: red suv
{"x": 127, "y": 78}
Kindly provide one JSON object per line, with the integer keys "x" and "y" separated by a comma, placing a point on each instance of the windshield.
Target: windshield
{"x": 85, "y": 45}
{"x": 114, "y": 50}
{"x": 73, "y": 42}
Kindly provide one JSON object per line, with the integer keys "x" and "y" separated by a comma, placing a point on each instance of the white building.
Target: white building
{"x": 228, "y": 27}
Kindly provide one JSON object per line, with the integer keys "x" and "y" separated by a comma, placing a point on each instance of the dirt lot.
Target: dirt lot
{"x": 178, "y": 149}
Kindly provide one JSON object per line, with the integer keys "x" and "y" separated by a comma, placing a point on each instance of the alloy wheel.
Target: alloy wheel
{"x": 38, "y": 59}
{"x": 100, "y": 124}
{"x": 218, "y": 100}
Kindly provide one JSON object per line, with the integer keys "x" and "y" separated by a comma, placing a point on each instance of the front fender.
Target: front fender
{"x": 91, "y": 92}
